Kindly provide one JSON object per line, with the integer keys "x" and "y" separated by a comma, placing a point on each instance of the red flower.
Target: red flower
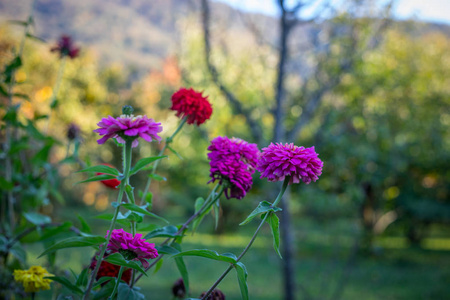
{"x": 110, "y": 270}
{"x": 110, "y": 183}
{"x": 191, "y": 104}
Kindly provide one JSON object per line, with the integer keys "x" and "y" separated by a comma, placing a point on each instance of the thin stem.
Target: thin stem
{"x": 155, "y": 165}
{"x": 224, "y": 274}
{"x": 184, "y": 226}
{"x": 126, "y": 173}
{"x": 116, "y": 286}
{"x": 8, "y": 133}
{"x": 56, "y": 90}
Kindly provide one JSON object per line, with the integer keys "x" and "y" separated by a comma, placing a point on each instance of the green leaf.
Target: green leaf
{"x": 142, "y": 210}
{"x": 82, "y": 279}
{"x": 157, "y": 177}
{"x": 50, "y": 233}
{"x": 182, "y": 268}
{"x": 208, "y": 254}
{"x": 274, "y": 223}
{"x": 37, "y": 218}
{"x": 33, "y": 37}
{"x": 175, "y": 152}
{"x": 22, "y": 96}
{"x": 118, "y": 259}
{"x": 101, "y": 169}
{"x": 242, "y": 279}
{"x": 167, "y": 250}
{"x": 18, "y": 252}
{"x": 144, "y": 162}
{"x": 125, "y": 292}
{"x": 79, "y": 241}
{"x": 130, "y": 216}
{"x": 158, "y": 265}
{"x": 149, "y": 199}
{"x": 84, "y": 225}
{"x": 216, "y": 207}
{"x": 97, "y": 178}
{"x": 263, "y": 207}
{"x": 129, "y": 191}
{"x": 65, "y": 282}
{"x": 167, "y": 231}
{"x": 198, "y": 205}
{"x": 103, "y": 280}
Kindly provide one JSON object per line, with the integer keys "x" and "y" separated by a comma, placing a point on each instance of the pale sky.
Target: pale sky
{"x": 425, "y": 10}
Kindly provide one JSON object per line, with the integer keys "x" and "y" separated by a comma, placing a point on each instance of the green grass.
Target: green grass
{"x": 322, "y": 251}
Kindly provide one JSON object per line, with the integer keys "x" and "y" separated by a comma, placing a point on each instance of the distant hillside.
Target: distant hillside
{"x": 135, "y": 32}
{"x": 141, "y": 33}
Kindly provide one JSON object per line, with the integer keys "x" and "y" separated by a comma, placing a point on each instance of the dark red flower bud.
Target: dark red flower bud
{"x": 65, "y": 47}
{"x": 215, "y": 295}
{"x": 178, "y": 289}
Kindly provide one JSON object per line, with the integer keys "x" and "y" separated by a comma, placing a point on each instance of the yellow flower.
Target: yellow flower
{"x": 33, "y": 279}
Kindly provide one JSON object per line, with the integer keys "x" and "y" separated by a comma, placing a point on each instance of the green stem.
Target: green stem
{"x": 116, "y": 286}
{"x": 8, "y": 131}
{"x": 224, "y": 274}
{"x": 56, "y": 90}
{"x": 184, "y": 226}
{"x": 126, "y": 173}
{"x": 155, "y": 165}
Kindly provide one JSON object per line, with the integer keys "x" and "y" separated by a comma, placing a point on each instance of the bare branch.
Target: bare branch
{"x": 234, "y": 101}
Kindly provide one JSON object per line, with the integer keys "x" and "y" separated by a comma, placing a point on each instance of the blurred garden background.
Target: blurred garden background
{"x": 371, "y": 92}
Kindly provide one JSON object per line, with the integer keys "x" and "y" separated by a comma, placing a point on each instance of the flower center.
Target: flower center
{"x": 128, "y": 254}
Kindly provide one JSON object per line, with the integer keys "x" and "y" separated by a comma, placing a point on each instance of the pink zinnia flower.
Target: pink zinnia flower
{"x": 65, "y": 47}
{"x": 131, "y": 248}
{"x": 128, "y": 125}
{"x": 233, "y": 162}
{"x": 278, "y": 161}
{"x": 191, "y": 104}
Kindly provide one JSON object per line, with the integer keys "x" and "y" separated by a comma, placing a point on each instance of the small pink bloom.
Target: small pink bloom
{"x": 131, "y": 248}
{"x": 278, "y": 161}
{"x": 128, "y": 126}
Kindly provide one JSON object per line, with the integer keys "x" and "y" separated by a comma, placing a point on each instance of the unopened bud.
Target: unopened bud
{"x": 127, "y": 110}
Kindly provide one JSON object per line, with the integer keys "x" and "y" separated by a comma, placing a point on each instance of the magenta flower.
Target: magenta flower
{"x": 233, "y": 162}
{"x": 128, "y": 126}
{"x": 131, "y": 248}
{"x": 278, "y": 161}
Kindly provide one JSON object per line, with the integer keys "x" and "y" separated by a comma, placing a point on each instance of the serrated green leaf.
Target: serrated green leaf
{"x": 208, "y": 254}
{"x": 101, "y": 169}
{"x": 144, "y": 162}
{"x": 79, "y": 241}
{"x": 241, "y": 272}
{"x": 97, "y": 178}
{"x": 37, "y": 218}
{"x": 65, "y": 282}
{"x": 119, "y": 260}
{"x": 263, "y": 207}
{"x": 274, "y": 223}
{"x": 167, "y": 231}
